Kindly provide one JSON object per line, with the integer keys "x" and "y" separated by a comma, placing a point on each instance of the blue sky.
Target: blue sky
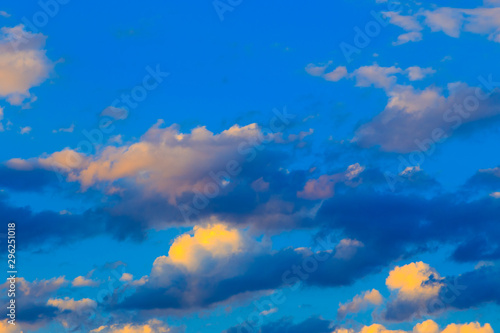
{"x": 172, "y": 166}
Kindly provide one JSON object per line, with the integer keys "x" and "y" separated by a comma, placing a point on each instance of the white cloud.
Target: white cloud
{"x": 82, "y": 281}
{"x": 407, "y": 22}
{"x": 317, "y": 70}
{"x": 360, "y": 303}
{"x": 25, "y": 130}
{"x": 447, "y": 20}
{"x": 164, "y": 161}
{"x": 69, "y": 129}
{"x": 151, "y": 326}
{"x": 337, "y": 74}
{"x": 114, "y": 112}
{"x": 413, "y": 36}
{"x": 72, "y": 305}
{"x": 202, "y": 251}
{"x": 416, "y": 119}
{"x": 23, "y": 63}
{"x": 416, "y": 73}
{"x": 428, "y": 326}
{"x": 380, "y": 77}
{"x": 483, "y": 20}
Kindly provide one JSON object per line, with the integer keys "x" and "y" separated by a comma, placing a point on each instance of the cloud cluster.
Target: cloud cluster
{"x": 428, "y": 326}
{"x": 199, "y": 269}
{"x": 151, "y": 326}
{"x": 483, "y": 20}
{"x": 417, "y": 119}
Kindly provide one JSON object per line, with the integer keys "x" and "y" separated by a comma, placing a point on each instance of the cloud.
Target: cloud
{"x": 416, "y": 73}
{"x": 418, "y": 119}
{"x": 379, "y": 77}
{"x": 34, "y": 296}
{"x": 464, "y": 292}
{"x": 50, "y": 227}
{"x": 38, "y": 288}
{"x": 412, "y": 281}
{"x": 323, "y": 187}
{"x": 82, "y": 281}
{"x": 416, "y": 286}
{"x": 25, "y": 180}
{"x": 373, "y": 218}
{"x": 164, "y": 161}
{"x": 152, "y": 325}
{"x": 448, "y": 20}
{"x": 69, "y": 304}
{"x": 66, "y": 130}
{"x": 199, "y": 270}
{"x": 408, "y": 23}
{"x": 198, "y": 252}
{"x": 115, "y": 113}
{"x": 428, "y": 326}
{"x": 286, "y": 325}
{"x": 23, "y": 63}
{"x": 5, "y": 327}
{"x": 359, "y": 303}
{"x": 129, "y": 279}
{"x": 25, "y": 130}
{"x": 316, "y": 70}
{"x": 468, "y": 328}
{"x": 483, "y": 20}
{"x": 337, "y": 74}
{"x": 413, "y": 36}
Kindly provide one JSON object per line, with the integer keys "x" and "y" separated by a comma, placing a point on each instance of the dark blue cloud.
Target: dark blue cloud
{"x": 287, "y": 325}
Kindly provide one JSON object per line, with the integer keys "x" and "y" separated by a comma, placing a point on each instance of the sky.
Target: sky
{"x": 236, "y": 166}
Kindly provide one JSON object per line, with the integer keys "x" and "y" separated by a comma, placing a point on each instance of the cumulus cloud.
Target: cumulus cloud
{"x": 72, "y": 305}
{"x": 82, "y": 281}
{"x": 203, "y": 262}
{"x": 5, "y": 327}
{"x": 164, "y": 161}
{"x": 39, "y": 288}
{"x": 379, "y": 77}
{"x": 428, "y": 326}
{"x": 199, "y": 252}
{"x": 129, "y": 279}
{"x": 417, "y": 286}
{"x": 23, "y": 63}
{"x": 452, "y": 21}
{"x": 418, "y": 119}
{"x": 360, "y": 303}
{"x": 152, "y": 325}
